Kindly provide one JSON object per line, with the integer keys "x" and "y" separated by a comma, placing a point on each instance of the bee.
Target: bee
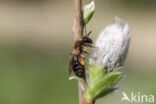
{"x": 77, "y": 61}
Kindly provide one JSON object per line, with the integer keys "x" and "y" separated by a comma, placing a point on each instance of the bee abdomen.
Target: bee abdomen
{"x": 78, "y": 68}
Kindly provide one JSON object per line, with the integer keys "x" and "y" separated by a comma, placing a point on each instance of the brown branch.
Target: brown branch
{"x": 88, "y": 102}
{"x": 80, "y": 91}
{"x": 78, "y": 34}
{"x": 78, "y": 26}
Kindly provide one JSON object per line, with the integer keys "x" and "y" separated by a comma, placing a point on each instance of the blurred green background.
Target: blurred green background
{"x": 36, "y": 40}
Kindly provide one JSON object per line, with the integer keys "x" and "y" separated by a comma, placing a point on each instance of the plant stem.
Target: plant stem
{"x": 78, "y": 34}
{"x": 81, "y": 92}
{"x": 78, "y": 26}
{"x": 88, "y": 102}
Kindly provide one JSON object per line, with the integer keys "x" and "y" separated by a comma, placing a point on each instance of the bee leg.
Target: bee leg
{"x": 82, "y": 59}
{"x": 89, "y": 45}
{"x": 82, "y": 56}
{"x": 86, "y": 52}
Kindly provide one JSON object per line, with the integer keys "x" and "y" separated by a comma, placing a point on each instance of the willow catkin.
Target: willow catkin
{"x": 111, "y": 46}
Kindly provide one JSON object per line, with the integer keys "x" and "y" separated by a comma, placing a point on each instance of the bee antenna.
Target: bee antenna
{"x": 89, "y": 33}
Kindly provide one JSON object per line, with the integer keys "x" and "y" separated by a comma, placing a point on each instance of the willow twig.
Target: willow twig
{"x": 78, "y": 33}
{"x": 78, "y": 25}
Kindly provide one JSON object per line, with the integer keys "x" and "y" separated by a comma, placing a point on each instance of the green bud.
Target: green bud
{"x": 88, "y": 12}
{"x": 100, "y": 82}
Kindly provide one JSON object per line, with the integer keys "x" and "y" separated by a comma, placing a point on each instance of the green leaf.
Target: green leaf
{"x": 106, "y": 83}
{"x": 88, "y": 12}
{"x": 100, "y": 82}
{"x": 96, "y": 71}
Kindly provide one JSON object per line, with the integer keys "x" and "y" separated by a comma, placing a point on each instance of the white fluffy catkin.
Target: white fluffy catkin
{"x": 111, "y": 46}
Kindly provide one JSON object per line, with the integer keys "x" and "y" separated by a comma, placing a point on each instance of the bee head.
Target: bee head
{"x": 86, "y": 38}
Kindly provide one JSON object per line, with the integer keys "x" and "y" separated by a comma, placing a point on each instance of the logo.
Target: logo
{"x": 137, "y": 98}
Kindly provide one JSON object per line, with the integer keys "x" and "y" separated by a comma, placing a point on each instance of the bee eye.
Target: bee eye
{"x": 85, "y": 39}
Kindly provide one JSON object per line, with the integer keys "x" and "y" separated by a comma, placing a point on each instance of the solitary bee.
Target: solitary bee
{"x": 77, "y": 61}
